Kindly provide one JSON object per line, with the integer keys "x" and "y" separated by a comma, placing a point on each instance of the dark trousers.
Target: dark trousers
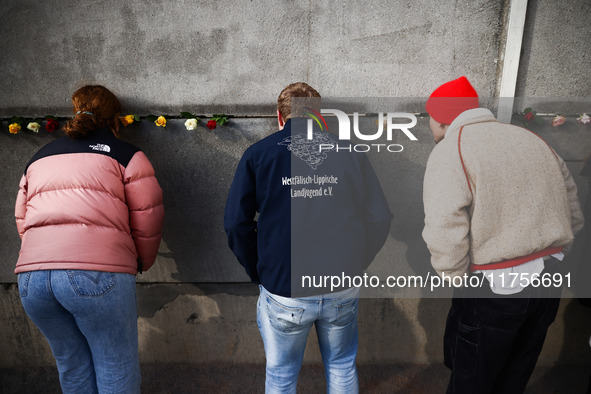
{"x": 492, "y": 342}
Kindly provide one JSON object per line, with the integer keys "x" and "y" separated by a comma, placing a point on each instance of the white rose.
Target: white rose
{"x": 34, "y": 126}
{"x": 191, "y": 124}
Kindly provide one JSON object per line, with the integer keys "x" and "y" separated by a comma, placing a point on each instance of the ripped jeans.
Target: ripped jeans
{"x": 284, "y": 324}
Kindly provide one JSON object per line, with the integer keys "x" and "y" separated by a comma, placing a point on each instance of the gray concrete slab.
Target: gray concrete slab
{"x": 183, "y": 323}
{"x": 553, "y": 64}
{"x": 235, "y": 57}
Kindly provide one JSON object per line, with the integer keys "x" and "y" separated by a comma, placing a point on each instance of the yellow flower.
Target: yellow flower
{"x": 127, "y": 119}
{"x": 161, "y": 121}
{"x": 14, "y": 128}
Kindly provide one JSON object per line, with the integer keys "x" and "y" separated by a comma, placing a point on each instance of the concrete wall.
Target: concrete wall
{"x": 236, "y": 56}
{"x": 195, "y": 305}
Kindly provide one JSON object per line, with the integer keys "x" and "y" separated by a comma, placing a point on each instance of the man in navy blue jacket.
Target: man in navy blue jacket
{"x": 322, "y": 214}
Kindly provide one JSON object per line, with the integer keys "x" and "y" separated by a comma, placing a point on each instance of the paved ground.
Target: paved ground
{"x": 226, "y": 378}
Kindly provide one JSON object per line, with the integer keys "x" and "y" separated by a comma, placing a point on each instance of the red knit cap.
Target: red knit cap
{"x": 451, "y": 99}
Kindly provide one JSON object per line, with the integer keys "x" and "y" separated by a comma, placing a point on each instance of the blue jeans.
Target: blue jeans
{"x": 90, "y": 321}
{"x": 284, "y": 324}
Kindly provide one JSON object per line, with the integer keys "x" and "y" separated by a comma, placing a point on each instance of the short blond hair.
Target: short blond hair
{"x": 298, "y": 89}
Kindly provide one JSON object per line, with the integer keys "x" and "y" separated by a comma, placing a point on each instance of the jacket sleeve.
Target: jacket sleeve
{"x": 146, "y": 210}
{"x": 20, "y": 210}
{"x": 239, "y": 223}
{"x": 376, "y": 214}
{"x": 447, "y": 199}
{"x": 576, "y": 214}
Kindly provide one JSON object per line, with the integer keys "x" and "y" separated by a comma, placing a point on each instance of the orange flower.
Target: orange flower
{"x": 127, "y": 119}
{"x": 14, "y": 128}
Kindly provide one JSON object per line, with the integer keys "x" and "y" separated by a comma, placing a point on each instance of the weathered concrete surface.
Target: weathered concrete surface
{"x": 554, "y": 62}
{"x": 198, "y": 324}
{"x": 235, "y": 57}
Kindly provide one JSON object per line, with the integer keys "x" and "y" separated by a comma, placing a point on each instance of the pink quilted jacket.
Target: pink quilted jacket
{"x": 90, "y": 204}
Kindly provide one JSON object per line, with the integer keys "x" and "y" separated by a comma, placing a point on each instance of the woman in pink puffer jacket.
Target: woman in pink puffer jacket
{"x": 89, "y": 212}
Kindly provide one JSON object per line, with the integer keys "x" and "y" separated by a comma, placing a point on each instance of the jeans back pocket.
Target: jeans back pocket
{"x": 346, "y": 311}
{"x": 282, "y": 317}
{"x": 91, "y": 283}
{"x": 23, "y": 283}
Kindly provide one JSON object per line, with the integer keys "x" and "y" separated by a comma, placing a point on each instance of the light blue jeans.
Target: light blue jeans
{"x": 90, "y": 321}
{"x": 284, "y": 324}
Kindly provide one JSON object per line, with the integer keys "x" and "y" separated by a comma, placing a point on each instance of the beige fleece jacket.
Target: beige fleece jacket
{"x": 523, "y": 198}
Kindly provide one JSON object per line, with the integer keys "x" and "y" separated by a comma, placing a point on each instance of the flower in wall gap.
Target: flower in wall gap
{"x": 52, "y": 124}
{"x": 15, "y": 125}
{"x": 160, "y": 121}
{"x": 14, "y": 128}
{"x": 584, "y": 119}
{"x": 34, "y": 126}
{"x": 191, "y": 122}
{"x": 529, "y": 115}
{"x": 212, "y": 124}
{"x": 128, "y": 119}
{"x": 558, "y": 120}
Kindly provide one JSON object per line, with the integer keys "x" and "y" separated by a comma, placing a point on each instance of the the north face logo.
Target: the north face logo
{"x": 100, "y": 147}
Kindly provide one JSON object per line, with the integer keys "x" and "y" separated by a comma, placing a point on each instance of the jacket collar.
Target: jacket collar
{"x": 475, "y": 115}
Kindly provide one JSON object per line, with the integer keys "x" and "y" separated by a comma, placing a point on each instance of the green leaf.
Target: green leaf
{"x": 528, "y": 109}
{"x": 221, "y": 119}
{"x": 187, "y": 115}
{"x": 151, "y": 118}
{"x": 136, "y": 117}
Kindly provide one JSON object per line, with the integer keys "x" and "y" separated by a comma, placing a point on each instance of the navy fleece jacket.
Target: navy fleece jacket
{"x": 324, "y": 212}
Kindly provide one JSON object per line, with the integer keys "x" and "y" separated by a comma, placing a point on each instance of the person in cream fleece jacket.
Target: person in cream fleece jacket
{"x": 499, "y": 203}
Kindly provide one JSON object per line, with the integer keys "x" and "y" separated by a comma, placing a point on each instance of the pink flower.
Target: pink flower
{"x": 558, "y": 120}
{"x": 584, "y": 119}
{"x": 212, "y": 124}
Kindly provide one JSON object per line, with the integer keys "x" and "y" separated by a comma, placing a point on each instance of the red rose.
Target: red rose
{"x": 212, "y": 124}
{"x": 528, "y": 116}
{"x": 52, "y": 125}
